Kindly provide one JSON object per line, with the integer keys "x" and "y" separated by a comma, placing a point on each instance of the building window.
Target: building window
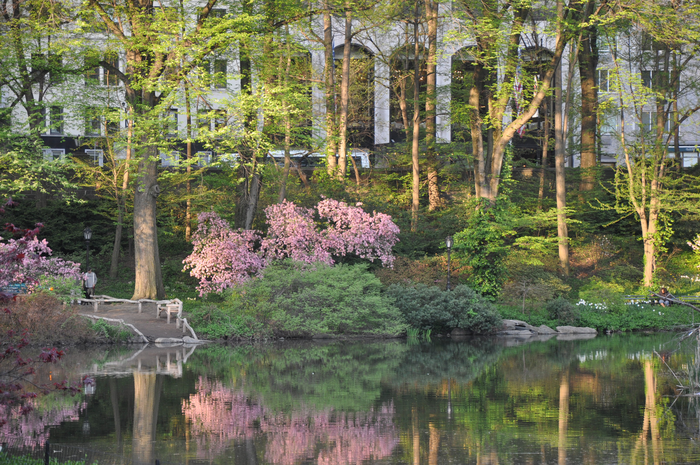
{"x": 649, "y": 121}
{"x": 55, "y": 69}
{"x": 110, "y": 78}
{"x": 54, "y": 154}
{"x": 219, "y": 119}
{"x": 169, "y": 159}
{"x": 203, "y": 158}
{"x": 219, "y": 76}
{"x": 96, "y": 156}
{"x": 55, "y": 121}
{"x": 172, "y": 123}
{"x": 608, "y": 125}
{"x": 92, "y": 76}
{"x": 203, "y": 121}
{"x": 93, "y": 123}
{"x": 102, "y": 76}
{"x": 604, "y": 84}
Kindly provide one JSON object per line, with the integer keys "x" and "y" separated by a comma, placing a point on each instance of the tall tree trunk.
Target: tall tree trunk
{"x": 434, "y": 200}
{"x": 148, "y": 282}
{"x": 147, "y": 388}
{"x": 345, "y": 96}
{"x": 476, "y": 128}
{"x": 562, "y": 229}
{"x": 329, "y": 79}
{"x": 588, "y": 65}
{"x": 416, "y": 128}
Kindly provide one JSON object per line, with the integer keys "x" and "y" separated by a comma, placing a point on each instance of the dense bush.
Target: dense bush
{"x": 302, "y": 300}
{"x": 46, "y": 320}
{"x": 562, "y": 310}
{"x": 429, "y": 308}
{"x": 222, "y": 320}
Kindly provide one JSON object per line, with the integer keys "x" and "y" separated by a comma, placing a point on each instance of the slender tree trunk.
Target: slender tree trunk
{"x": 416, "y": 128}
{"x": 188, "y": 157}
{"x": 564, "y": 396}
{"x": 434, "y": 200}
{"x": 588, "y": 64}
{"x": 329, "y": 78}
{"x": 114, "y": 265}
{"x": 562, "y": 229}
{"x": 287, "y": 131}
{"x": 545, "y": 153}
{"x": 345, "y": 96}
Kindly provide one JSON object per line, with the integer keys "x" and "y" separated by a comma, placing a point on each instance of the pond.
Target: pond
{"x": 610, "y": 399}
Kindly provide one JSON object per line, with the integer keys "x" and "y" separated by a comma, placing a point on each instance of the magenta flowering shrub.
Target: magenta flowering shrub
{"x": 223, "y": 258}
{"x": 26, "y": 259}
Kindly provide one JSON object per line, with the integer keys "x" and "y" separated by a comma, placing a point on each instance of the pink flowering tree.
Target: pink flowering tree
{"x": 223, "y": 258}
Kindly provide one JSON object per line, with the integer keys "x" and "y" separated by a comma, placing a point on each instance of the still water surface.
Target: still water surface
{"x": 475, "y": 401}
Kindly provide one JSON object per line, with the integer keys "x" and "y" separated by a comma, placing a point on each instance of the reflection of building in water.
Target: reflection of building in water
{"x": 219, "y": 415}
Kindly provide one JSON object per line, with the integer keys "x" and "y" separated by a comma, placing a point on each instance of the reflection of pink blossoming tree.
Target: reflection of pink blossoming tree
{"x": 223, "y": 258}
{"x": 27, "y": 429}
{"x": 219, "y": 415}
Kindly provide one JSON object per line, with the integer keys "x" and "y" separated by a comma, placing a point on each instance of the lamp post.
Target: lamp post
{"x": 448, "y": 244}
{"x": 87, "y": 234}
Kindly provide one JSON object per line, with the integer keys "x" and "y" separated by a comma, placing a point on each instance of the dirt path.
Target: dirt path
{"x": 146, "y": 322}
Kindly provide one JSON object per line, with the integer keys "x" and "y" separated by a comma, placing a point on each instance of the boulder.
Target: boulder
{"x": 575, "y": 330}
{"x": 510, "y": 326}
{"x": 544, "y": 329}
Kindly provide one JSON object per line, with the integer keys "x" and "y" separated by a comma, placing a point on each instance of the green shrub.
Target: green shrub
{"x": 600, "y": 291}
{"x": 562, "y": 310}
{"x": 112, "y": 333}
{"x": 429, "y": 308}
{"x": 300, "y": 300}
{"x": 66, "y": 289}
{"x": 303, "y": 300}
{"x": 221, "y": 321}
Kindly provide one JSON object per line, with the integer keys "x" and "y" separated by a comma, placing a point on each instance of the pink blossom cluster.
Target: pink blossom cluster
{"x": 26, "y": 259}
{"x": 223, "y": 258}
{"x": 293, "y": 234}
{"x": 352, "y": 230}
{"x": 218, "y": 415}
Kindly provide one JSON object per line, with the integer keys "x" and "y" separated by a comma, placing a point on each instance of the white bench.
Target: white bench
{"x": 170, "y": 307}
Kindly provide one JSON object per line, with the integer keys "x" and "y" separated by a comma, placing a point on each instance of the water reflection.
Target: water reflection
{"x": 477, "y": 401}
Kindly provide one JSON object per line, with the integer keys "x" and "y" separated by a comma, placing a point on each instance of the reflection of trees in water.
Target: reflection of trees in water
{"x": 33, "y": 428}
{"x": 686, "y": 406}
{"x": 219, "y": 415}
{"x": 459, "y": 361}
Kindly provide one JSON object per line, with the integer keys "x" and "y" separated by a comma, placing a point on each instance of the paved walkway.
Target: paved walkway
{"x": 146, "y": 322}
